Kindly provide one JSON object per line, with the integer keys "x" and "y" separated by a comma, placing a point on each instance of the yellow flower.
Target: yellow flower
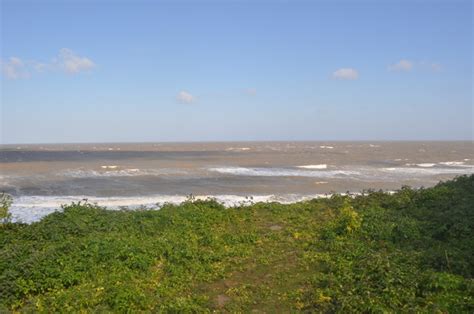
{"x": 321, "y": 298}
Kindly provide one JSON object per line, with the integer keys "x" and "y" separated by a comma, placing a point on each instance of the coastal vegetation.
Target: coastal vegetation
{"x": 5, "y": 203}
{"x": 410, "y": 251}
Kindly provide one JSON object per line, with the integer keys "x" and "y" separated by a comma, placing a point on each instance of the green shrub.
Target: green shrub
{"x": 406, "y": 252}
{"x": 5, "y": 203}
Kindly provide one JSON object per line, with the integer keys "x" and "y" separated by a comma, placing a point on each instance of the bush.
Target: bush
{"x": 5, "y": 203}
{"x": 406, "y": 252}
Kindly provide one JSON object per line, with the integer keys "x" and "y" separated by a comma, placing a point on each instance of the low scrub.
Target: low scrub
{"x": 411, "y": 251}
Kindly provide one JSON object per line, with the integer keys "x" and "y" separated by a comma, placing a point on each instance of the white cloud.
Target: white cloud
{"x": 346, "y": 74}
{"x": 67, "y": 61}
{"x": 185, "y": 98}
{"x": 402, "y": 65}
{"x": 40, "y": 67}
{"x": 16, "y": 61}
{"x": 14, "y": 68}
{"x": 407, "y": 65}
{"x": 72, "y": 63}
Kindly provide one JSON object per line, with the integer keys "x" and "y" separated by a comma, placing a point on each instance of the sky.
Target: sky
{"x": 140, "y": 71}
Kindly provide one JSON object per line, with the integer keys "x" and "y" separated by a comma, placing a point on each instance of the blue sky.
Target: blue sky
{"x": 113, "y": 71}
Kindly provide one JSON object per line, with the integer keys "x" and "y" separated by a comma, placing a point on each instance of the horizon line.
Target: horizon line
{"x": 237, "y": 141}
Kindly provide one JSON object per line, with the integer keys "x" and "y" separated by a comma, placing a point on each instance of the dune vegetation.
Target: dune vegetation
{"x": 410, "y": 251}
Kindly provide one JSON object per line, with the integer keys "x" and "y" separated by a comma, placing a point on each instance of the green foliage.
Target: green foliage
{"x": 5, "y": 203}
{"x": 345, "y": 222}
{"x": 406, "y": 252}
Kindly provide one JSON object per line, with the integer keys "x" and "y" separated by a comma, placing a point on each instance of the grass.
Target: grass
{"x": 407, "y": 252}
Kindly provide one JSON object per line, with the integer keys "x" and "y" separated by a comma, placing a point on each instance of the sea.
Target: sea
{"x": 42, "y": 177}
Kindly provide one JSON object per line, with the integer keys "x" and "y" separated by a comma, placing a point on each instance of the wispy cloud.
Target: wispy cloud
{"x": 66, "y": 61}
{"x": 432, "y": 66}
{"x": 185, "y": 97}
{"x": 402, "y": 65}
{"x": 71, "y": 63}
{"x": 346, "y": 74}
{"x": 14, "y": 68}
{"x": 408, "y": 65}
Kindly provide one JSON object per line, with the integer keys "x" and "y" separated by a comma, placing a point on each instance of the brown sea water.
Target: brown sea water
{"x": 40, "y": 177}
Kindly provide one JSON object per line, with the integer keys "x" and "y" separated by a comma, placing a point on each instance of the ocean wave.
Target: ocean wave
{"x": 320, "y": 166}
{"x": 427, "y": 171}
{"x": 283, "y": 172}
{"x": 114, "y": 171}
{"x": 237, "y": 148}
{"x": 109, "y": 167}
{"x": 29, "y": 209}
{"x": 444, "y": 164}
{"x": 4, "y": 180}
{"x": 3, "y": 177}
{"x": 452, "y": 163}
{"x": 425, "y": 165}
{"x": 355, "y": 173}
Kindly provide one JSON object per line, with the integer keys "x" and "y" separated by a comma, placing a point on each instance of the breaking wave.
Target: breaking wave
{"x": 28, "y": 209}
{"x": 114, "y": 171}
{"x": 283, "y": 172}
{"x": 320, "y": 166}
{"x": 356, "y": 172}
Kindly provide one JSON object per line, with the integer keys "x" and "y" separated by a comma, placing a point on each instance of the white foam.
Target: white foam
{"x": 320, "y": 166}
{"x": 4, "y": 179}
{"x": 283, "y": 172}
{"x": 426, "y": 165}
{"x": 452, "y": 163}
{"x": 237, "y": 148}
{"x": 328, "y": 147}
{"x": 427, "y": 171}
{"x": 441, "y": 164}
{"x": 356, "y": 173}
{"x": 114, "y": 171}
{"x": 29, "y": 209}
{"x": 109, "y": 167}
